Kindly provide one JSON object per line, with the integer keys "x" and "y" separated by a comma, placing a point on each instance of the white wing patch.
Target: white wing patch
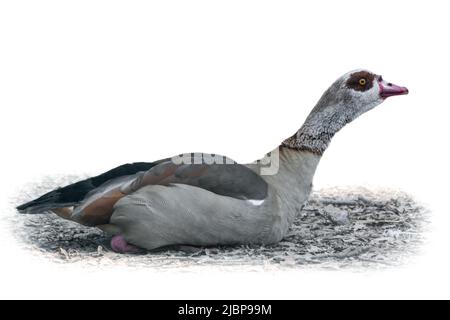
{"x": 256, "y": 202}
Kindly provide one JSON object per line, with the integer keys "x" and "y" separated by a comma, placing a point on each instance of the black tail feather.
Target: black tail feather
{"x": 48, "y": 201}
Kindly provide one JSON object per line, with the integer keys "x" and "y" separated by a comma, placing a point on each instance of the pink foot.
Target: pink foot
{"x": 120, "y": 245}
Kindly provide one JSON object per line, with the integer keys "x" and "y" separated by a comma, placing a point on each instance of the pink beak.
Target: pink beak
{"x": 388, "y": 89}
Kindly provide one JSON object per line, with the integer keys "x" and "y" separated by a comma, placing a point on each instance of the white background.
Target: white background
{"x": 88, "y": 85}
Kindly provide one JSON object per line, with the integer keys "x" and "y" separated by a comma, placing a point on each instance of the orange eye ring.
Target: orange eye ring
{"x": 362, "y": 82}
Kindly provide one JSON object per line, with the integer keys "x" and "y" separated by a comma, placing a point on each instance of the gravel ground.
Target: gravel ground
{"x": 337, "y": 228}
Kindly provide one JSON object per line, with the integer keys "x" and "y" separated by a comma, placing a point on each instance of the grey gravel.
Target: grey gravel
{"x": 337, "y": 228}
{"x": 336, "y": 215}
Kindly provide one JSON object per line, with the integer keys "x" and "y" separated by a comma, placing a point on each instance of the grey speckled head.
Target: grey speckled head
{"x": 353, "y": 94}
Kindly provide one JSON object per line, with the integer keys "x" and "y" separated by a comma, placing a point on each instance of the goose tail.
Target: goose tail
{"x": 49, "y": 201}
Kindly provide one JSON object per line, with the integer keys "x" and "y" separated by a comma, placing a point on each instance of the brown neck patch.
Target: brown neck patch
{"x": 360, "y": 81}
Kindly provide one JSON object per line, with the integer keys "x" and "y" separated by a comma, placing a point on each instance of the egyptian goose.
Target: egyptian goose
{"x": 206, "y": 200}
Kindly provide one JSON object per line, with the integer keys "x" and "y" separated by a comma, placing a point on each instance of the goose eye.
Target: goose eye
{"x": 362, "y": 82}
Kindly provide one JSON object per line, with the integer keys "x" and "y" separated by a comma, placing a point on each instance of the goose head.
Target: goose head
{"x": 357, "y": 92}
{"x": 353, "y": 94}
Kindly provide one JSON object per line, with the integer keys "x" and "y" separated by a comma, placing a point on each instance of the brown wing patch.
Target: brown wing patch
{"x": 360, "y": 81}
{"x": 100, "y": 210}
{"x": 151, "y": 177}
{"x": 65, "y": 212}
{"x": 198, "y": 172}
